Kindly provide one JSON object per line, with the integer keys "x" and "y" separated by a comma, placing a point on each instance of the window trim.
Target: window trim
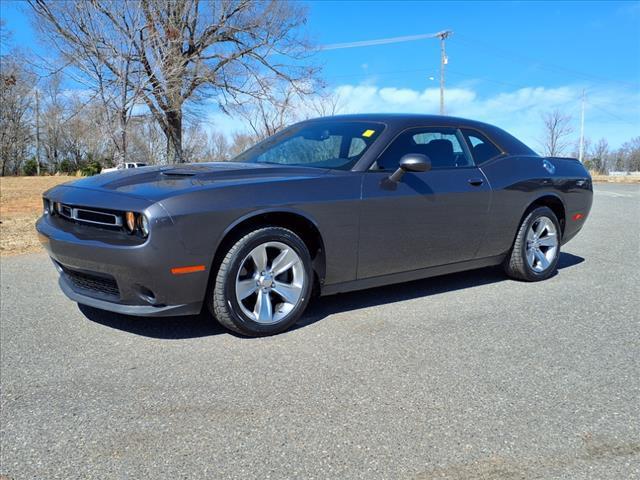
{"x": 457, "y": 131}
{"x": 483, "y": 134}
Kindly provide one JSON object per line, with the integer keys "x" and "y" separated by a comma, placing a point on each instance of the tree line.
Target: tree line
{"x": 144, "y": 73}
{"x": 558, "y": 140}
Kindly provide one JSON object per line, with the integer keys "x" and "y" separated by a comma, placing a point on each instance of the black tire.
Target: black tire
{"x": 223, "y": 303}
{"x": 516, "y": 264}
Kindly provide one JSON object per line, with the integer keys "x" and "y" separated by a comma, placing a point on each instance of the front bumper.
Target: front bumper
{"x": 107, "y": 270}
{"x": 137, "y": 310}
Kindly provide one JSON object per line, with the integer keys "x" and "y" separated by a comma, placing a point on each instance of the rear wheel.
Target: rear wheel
{"x": 263, "y": 284}
{"x": 536, "y": 250}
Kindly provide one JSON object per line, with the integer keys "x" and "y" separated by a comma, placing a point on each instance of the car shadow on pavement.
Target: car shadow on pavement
{"x": 194, "y": 326}
{"x": 169, "y": 328}
{"x": 325, "y": 306}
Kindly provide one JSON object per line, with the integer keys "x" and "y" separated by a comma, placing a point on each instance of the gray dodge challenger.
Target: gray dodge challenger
{"x": 325, "y": 206}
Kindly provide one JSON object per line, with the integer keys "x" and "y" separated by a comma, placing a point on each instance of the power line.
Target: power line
{"x": 540, "y": 65}
{"x": 509, "y": 55}
{"x": 389, "y": 72}
{"x": 442, "y": 35}
{"x": 622, "y": 120}
{"x": 381, "y": 41}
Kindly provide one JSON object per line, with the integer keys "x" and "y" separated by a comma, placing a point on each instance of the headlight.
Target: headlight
{"x": 130, "y": 221}
{"x": 143, "y": 225}
{"x": 48, "y": 207}
{"x": 136, "y": 222}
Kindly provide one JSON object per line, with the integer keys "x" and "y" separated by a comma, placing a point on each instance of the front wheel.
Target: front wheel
{"x": 536, "y": 249}
{"x": 263, "y": 284}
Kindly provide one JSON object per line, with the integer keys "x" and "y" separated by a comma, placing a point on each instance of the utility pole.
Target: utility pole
{"x": 442, "y": 35}
{"x": 37, "y": 132}
{"x": 443, "y": 61}
{"x": 581, "y": 154}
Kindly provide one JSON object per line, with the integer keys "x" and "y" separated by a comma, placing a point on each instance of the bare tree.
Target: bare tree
{"x": 218, "y": 148}
{"x": 324, "y": 104}
{"x": 180, "y": 50}
{"x": 147, "y": 141}
{"x": 54, "y": 111}
{"x": 600, "y": 156}
{"x": 575, "y": 152}
{"x": 241, "y": 142}
{"x": 16, "y": 85}
{"x": 5, "y": 35}
{"x": 119, "y": 97}
{"x": 557, "y": 130}
{"x": 270, "y": 113}
{"x": 119, "y": 94}
{"x": 15, "y": 113}
{"x": 194, "y": 148}
{"x": 629, "y": 156}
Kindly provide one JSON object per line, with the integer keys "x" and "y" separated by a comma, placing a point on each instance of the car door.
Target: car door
{"x": 427, "y": 218}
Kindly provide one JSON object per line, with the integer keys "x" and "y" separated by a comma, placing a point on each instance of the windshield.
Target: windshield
{"x": 335, "y": 145}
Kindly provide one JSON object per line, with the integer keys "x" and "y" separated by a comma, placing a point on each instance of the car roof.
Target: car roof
{"x": 505, "y": 140}
{"x": 404, "y": 119}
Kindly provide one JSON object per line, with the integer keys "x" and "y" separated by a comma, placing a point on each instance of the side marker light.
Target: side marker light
{"x": 191, "y": 269}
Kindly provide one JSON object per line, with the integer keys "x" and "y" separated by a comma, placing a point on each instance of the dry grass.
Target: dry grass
{"x": 615, "y": 178}
{"x": 20, "y": 206}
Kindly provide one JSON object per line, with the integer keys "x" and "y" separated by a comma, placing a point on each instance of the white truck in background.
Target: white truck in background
{"x": 123, "y": 166}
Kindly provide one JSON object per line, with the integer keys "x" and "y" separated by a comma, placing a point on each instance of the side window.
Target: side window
{"x": 481, "y": 147}
{"x": 443, "y": 146}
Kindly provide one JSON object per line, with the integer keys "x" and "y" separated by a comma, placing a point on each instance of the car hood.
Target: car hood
{"x": 157, "y": 183}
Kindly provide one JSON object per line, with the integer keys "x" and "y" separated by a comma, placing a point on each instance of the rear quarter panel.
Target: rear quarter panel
{"x": 518, "y": 181}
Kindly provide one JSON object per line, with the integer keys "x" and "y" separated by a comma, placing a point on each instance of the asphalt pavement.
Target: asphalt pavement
{"x": 468, "y": 376}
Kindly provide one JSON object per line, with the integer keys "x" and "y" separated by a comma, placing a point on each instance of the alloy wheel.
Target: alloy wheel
{"x": 270, "y": 282}
{"x": 542, "y": 244}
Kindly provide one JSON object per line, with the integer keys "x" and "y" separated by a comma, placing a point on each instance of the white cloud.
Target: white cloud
{"x": 612, "y": 113}
{"x": 397, "y": 96}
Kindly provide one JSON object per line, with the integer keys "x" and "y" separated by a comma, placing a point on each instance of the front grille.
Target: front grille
{"x": 65, "y": 211}
{"x": 85, "y": 215}
{"x": 94, "y": 283}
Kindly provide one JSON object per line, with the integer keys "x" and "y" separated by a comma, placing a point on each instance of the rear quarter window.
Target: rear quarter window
{"x": 480, "y": 146}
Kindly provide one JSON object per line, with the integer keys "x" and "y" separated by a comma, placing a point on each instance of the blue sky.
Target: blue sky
{"x": 508, "y": 62}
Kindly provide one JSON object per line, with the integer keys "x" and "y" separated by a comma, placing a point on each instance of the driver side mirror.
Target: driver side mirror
{"x": 412, "y": 162}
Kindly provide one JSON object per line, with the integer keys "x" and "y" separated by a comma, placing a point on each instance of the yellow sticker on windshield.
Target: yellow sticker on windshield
{"x": 368, "y": 133}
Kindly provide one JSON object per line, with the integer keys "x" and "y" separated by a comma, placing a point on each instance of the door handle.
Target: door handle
{"x": 476, "y": 182}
